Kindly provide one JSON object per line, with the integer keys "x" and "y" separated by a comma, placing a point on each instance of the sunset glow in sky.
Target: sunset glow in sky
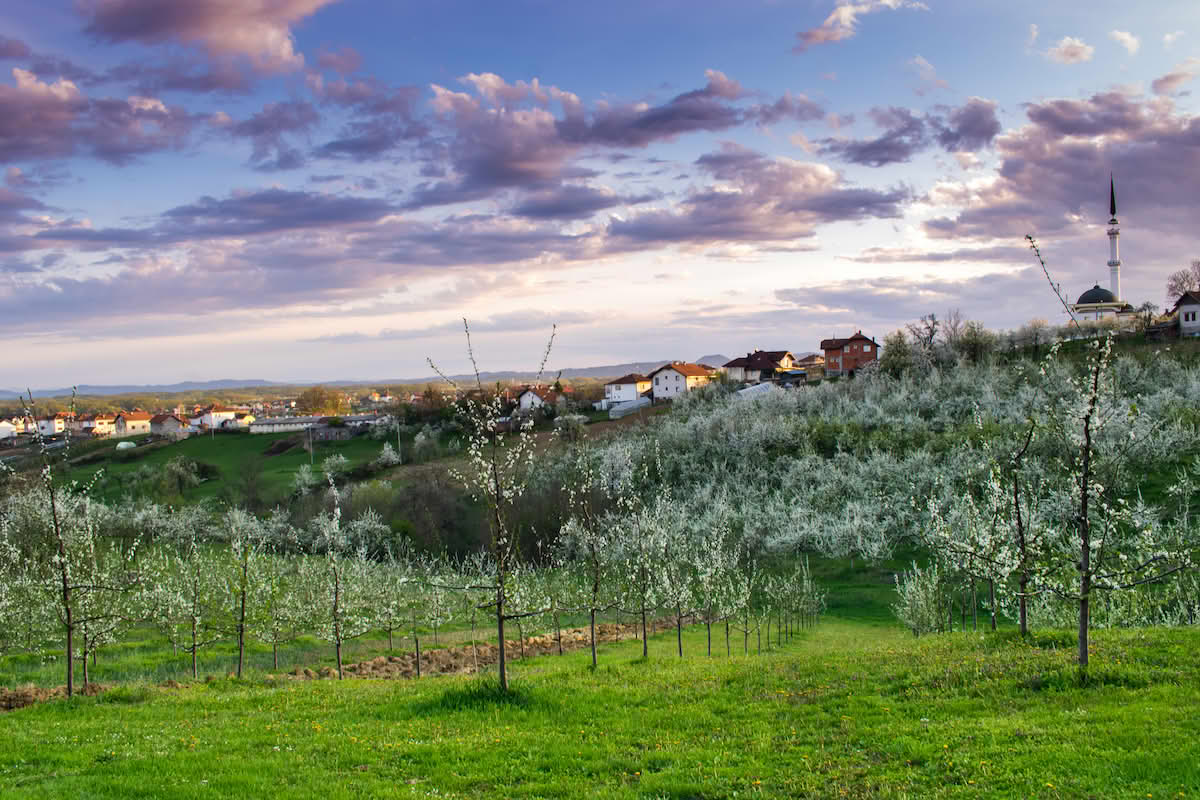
{"x": 313, "y": 190}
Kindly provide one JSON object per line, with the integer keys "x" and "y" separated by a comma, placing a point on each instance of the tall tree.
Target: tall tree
{"x": 497, "y": 471}
{"x": 1184, "y": 280}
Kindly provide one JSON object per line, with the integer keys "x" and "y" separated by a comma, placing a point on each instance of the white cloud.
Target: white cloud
{"x": 1169, "y": 39}
{"x": 928, "y": 74}
{"x": 1033, "y": 34}
{"x": 1070, "y": 50}
{"x": 842, "y": 22}
{"x": 1126, "y": 40}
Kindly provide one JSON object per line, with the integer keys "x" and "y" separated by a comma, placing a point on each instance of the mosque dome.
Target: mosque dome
{"x": 1095, "y": 295}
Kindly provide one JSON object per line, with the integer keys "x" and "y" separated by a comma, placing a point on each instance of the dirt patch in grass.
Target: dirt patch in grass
{"x": 12, "y": 699}
{"x": 281, "y": 446}
{"x": 470, "y": 658}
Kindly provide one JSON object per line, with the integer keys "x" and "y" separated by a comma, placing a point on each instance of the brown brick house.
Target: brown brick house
{"x": 845, "y": 356}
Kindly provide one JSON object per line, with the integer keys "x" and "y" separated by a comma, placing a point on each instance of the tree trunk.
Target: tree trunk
{"x": 195, "y": 671}
{"x": 974, "y": 607}
{"x": 389, "y": 640}
{"x": 503, "y": 661}
{"x": 338, "y": 649}
{"x": 645, "y": 646}
{"x": 85, "y": 669}
{"x": 593, "y": 629}
{"x": 558, "y": 633}
{"x": 992, "y": 601}
{"x": 1085, "y": 531}
{"x": 521, "y": 638}
{"x": 727, "y": 651}
{"x": 417, "y": 641}
{"x": 1022, "y": 608}
{"x": 679, "y": 630}
{"x": 275, "y": 654}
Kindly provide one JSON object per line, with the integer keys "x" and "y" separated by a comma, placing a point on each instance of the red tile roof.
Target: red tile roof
{"x": 838, "y": 344}
{"x": 632, "y": 377}
{"x": 687, "y": 370}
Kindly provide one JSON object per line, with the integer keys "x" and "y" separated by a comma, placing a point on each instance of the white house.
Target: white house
{"x": 48, "y": 426}
{"x": 535, "y": 397}
{"x": 1188, "y": 309}
{"x": 131, "y": 423}
{"x": 7, "y": 429}
{"x": 671, "y": 380}
{"x": 213, "y": 416}
{"x": 760, "y": 365}
{"x": 626, "y": 389}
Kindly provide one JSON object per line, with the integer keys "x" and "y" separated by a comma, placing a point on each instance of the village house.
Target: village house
{"x": 626, "y": 389}
{"x": 1188, "y": 309}
{"x": 241, "y": 419}
{"x": 759, "y": 366}
{"x": 53, "y": 424}
{"x": 535, "y": 397}
{"x": 131, "y": 423}
{"x": 845, "y": 356}
{"x": 213, "y": 416}
{"x": 671, "y": 380}
{"x": 7, "y": 430}
{"x": 169, "y": 425}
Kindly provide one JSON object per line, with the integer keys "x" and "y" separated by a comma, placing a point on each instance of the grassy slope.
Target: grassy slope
{"x": 228, "y": 453}
{"x": 855, "y": 708}
{"x": 835, "y": 713}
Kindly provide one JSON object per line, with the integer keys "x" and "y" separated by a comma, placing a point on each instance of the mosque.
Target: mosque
{"x": 1097, "y": 303}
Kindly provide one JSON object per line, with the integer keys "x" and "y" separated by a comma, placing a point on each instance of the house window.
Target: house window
{"x": 1189, "y": 316}
{"x": 656, "y": 381}
{"x": 866, "y": 348}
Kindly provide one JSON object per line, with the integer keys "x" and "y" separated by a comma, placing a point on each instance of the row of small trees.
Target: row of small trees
{"x": 89, "y": 574}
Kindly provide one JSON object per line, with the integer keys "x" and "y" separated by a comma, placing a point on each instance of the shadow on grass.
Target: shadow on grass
{"x": 481, "y": 694}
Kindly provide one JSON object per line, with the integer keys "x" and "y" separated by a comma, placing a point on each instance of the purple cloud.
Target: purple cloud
{"x": 763, "y": 200}
{"x": 41, "y": 120}
{"x": 13, "y": 48}
{"x": 183, "y": 76}
{"x": 904, "y": 136}
{"x": 267, "y": 130}
{"x": 257, "y": 29}
{"x": 343, "y": 61}
{"x": 1050, "y": 169}
{"x": 971, "y": 127}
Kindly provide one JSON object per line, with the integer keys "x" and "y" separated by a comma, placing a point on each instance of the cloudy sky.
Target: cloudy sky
{"x": 311, "y": 190}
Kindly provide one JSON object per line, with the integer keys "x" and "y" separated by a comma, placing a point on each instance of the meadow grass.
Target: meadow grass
{"x": 228, "y": 453}
{"x": 846, "y": 710}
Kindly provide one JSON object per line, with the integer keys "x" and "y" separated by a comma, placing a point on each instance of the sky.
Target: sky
{"x": 320, "y": 190}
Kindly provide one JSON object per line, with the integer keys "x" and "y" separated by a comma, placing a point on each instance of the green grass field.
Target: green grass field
{"x": 853, "y": 708}
{"x": 228, "y": 453}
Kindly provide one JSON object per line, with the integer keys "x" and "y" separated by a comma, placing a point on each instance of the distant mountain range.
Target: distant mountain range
{"x": 157, "y": 388}
{"x": 605, "y": 371}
